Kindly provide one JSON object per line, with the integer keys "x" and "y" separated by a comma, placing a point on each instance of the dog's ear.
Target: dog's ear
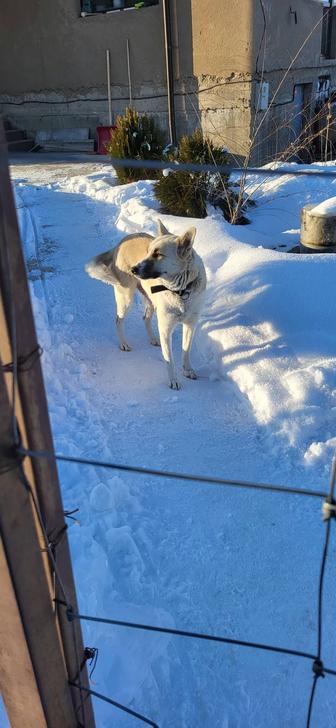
{"x": 162, "y": 230}
{"x": 185, "y": 242}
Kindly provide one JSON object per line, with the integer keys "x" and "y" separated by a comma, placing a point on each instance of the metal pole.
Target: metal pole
{"x": 329, "y": 119}
{"x": 108, "y": 75}
{"x": 169, "y": 71}
{"x": 129, "y": 71}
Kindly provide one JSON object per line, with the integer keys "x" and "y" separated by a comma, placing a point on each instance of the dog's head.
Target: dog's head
{"x": 168, "y": 255}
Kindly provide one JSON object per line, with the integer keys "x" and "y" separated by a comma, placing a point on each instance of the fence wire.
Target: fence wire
{"x": 204, "y": 479}
{"x": 226, "y": 169}
{"x": 329, "y": 511}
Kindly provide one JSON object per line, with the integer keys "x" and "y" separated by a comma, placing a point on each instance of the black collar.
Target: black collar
{"x": 184, "y": 294}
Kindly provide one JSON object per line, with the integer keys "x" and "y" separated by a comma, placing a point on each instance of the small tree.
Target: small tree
{"x": 135, "y": 137}
{"x": 187, "y": 193}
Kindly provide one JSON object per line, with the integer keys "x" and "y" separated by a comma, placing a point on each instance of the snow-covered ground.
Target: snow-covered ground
{"x": 230, "y": 562}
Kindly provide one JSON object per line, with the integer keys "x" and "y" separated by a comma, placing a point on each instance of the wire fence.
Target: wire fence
{"x": 329, "y": 510}
{"x": 329, "y": 505}
{"x": 226, "y": 169}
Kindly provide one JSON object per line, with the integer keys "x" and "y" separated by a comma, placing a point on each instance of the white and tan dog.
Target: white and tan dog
{"x": 176, "y": 294}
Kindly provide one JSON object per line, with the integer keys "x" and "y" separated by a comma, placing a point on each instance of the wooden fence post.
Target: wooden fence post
{"x": 33, "y": 420}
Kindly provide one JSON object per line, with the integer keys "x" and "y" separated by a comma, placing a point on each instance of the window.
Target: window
{"x": 106, "y": 6}
{"x": 323, "y": 88}
{"x": 328, "y": 41}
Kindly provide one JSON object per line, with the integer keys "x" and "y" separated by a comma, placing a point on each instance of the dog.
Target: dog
{"x": 172, "y": 280}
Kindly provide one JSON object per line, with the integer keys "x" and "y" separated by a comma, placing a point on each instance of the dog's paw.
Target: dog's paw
{"x": 125, "y": 347}
{"x": 189, "y": 373}
{"x": 154, "y": 341}
{"x": 174, "y": 384}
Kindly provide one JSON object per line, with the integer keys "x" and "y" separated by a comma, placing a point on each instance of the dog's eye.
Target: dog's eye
{"x": 157, "y": 254}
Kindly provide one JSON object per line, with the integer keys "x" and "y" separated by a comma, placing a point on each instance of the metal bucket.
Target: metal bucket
{"x": 318, "y": 232}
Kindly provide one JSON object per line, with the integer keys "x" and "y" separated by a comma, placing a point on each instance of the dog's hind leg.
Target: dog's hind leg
{"x": 147, "y": 317}
{"x": 124, "y": 297}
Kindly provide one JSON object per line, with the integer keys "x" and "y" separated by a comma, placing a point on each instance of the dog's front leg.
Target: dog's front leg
{"x": 187, "y": 337}
{"x": 124, "y": 298}
{"x": 166, "y": 328}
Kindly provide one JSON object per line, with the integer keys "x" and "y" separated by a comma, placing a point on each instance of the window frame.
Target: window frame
{"x": 88, "y": 7}
{"x": 328, "y": 34}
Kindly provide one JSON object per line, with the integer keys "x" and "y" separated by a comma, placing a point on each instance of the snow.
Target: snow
{"x": 327, "y": 208}
{"x": 231, "y": 562}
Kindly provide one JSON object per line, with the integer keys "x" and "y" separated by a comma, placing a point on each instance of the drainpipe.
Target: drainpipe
{"x": 169, "y": 70}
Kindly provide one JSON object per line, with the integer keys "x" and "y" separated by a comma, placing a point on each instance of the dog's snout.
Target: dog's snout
{"x": 145, "y": 270}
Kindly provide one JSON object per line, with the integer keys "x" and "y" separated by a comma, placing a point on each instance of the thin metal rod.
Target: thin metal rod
{"x": 169, "y": 70}
{"x": 129, "y": 71}
{"x": 108, "y": 76}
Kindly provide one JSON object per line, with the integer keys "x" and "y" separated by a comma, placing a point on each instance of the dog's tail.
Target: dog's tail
{"x": 102, "y": 268}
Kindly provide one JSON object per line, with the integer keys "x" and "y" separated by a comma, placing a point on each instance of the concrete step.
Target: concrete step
{"x": 86, "y": 145}
{"x": 21, "y": 145}
{"x": 13, "y": 135}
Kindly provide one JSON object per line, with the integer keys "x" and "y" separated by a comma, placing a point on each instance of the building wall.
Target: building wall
{"x": 222, "y": 39}
{"x": 54, "y": 60}
{"x": 290, "y": 62}
{"x": 223, "y": 58}
{"x": 56, "y": 48}
{"x": 54, "y": 69}
{"x": 284, "y": 37}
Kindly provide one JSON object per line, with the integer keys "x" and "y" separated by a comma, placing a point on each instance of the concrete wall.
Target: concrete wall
{"x": 54, "y": 61}
{"x": 47, "y": 45}
{"x": 284, "y": 37}
{"x": 292, "y": 59}
{"x": 54, "y": 73}
{"x": 222, "y": 66}
{"x": 222, "y": 38}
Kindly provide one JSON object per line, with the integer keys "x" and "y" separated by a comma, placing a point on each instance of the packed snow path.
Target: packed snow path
{"x": 204, "y": 558}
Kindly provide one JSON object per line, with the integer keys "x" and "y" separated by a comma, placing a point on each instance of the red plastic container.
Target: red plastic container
{"x": 104, "y": 134}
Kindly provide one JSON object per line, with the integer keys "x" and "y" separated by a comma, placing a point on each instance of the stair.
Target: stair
{"x": 17, "y": 140}
{"x": 65, "y": 140}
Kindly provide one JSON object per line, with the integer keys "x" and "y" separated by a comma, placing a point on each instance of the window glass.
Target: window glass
{"x": 105, "y": 6}
{"x": 328, "y": 38}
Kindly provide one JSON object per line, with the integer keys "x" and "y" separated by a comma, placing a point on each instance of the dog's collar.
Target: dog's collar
{"x": 184, "y": 294}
